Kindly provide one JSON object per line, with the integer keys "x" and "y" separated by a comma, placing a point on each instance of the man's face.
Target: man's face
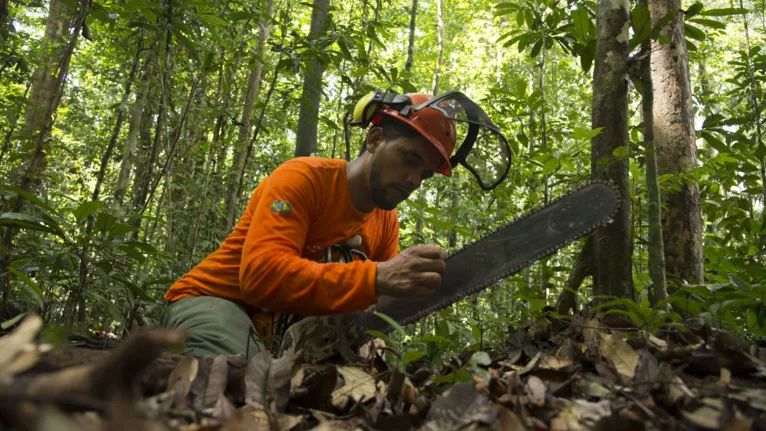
{"x": 399, "y": 167}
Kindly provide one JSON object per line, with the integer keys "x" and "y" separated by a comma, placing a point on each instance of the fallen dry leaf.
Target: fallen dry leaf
{"x": 312, "y": 386}
{"x": 267, "y": 381}
{"x": 535, "y": 390}
{"x": 508, "y": 420}
{"x": 216, "y": 382}
{"x": 358, "y": 386}
{"x": 555, "y": 363}
{"x": 16, "y": 342}
{"x": 619, "y": 354}
{"x": 580, "y": 415}
{"x": 590, "y": 331}
{"x": 181, "y": 378}
{"x": 658, "y": 343}
{"x": 704, "y": 417}
{"x": 646, "y": 373}
{"x": 459, "y": 407}
{"x": 590, "y": 388}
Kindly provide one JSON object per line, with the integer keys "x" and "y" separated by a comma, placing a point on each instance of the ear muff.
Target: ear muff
{"x": 364, "y": 111}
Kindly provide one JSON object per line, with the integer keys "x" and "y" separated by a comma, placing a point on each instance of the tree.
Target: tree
{"x": 251, "y": 96}
{"x": 613, "y": 243}
{"x": 306, "y": 140}
{"x": 676, "y": 146}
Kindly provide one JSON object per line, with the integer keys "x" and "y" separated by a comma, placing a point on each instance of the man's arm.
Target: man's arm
{"x": 274, "y": 276}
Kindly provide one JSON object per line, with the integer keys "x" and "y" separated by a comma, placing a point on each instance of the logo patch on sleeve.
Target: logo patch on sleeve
{"x": 281, "y": 207}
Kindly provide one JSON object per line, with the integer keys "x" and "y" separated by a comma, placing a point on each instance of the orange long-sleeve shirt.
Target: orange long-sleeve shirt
{"x": 268, "y": 263}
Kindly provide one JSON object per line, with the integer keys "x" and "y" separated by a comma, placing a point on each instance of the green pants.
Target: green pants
{"x": 216, "y": 326}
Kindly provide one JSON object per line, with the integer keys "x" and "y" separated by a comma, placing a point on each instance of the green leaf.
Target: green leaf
{"x": 620, "y": 152}
{"x": 480, "y": 358}
{"x": 581, "y": 22}
{"x": 24, "y": 221}
{"x": 121, "y": 229}
{"x": 32, "y": 287}
{"x": 10, "y": 322}
{"x": 393, "y": 323}
{"x": 536, "y": 48}
{"x": 662, "y": 22}
{"x": 382, "y": 336}
{"x": 752, "y": 318}
{"x": 739, "y": 284}
{"x": 694, "y": 9}
{"x": 641, "y": 20}
{"x": 709, "y": 23}
{"x": 432, "y": 339}
{"x": 723, "y": 12}
{"x": 86, "y": 209}
{"x": 213, "y": 21}
{"x": 134, "y": 289}
{"x": 412, "y": 356}
{"x": 31, "y": 198}
{"x": 694, "y": 32}
{"x": 551, "y": 164}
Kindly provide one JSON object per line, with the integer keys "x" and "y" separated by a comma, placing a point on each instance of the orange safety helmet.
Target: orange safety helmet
{"x": 432, "y": 124}
{"x": 442, "y": 120}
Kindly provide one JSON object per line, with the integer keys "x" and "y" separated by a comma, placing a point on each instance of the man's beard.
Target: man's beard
{"x": 378, "y": 190}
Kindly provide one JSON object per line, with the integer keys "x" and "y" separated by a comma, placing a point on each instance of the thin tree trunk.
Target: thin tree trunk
{"x": 654, "y": 205}
{"x": 308, "y": 117}
{"x": 4, "y": 20}
{"x": 755, "y": 104}
{"x": 676, "y": 148}
{"x": 440, "y": 59}
{"x": 251, "y": 96}
{"x": 583, "y": 267}
{"x": 137, "y": 114}
{"x": 46, "y": 92}
{"x": 411, "y": 45}
{"x": 613, "y": 243}
{"x": 118, "y": 123}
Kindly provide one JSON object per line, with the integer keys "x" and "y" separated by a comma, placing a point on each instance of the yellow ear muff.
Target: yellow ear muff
{"x": 363, "y": 107}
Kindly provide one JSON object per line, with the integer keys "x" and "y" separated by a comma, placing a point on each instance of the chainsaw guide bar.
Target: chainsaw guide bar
{"x": 504, "y": 252}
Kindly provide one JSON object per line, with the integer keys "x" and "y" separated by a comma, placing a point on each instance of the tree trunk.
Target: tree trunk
{"x": 118, "y": 123}
{"x": 45, "y": 95}
{"x": 306, "y": 140}
{"x": 755, "y": 103}
{"x": 137, "y": 114}
{"x": 251, "y": 96}
{"x": 583, "y": 267}
{"x": 411, "y": 45}
{"x": 654, "y": 204}
{"x": 613, "y": 243}
{"x": 4, "y": 30}
{"x": 676, "y": 149}
{"x": 440, "y": 59}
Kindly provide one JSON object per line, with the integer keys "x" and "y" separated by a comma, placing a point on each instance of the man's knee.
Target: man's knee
{"x": 216, "y": 326}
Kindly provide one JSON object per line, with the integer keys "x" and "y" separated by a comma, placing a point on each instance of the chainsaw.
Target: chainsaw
{"x": 502, "y": 253}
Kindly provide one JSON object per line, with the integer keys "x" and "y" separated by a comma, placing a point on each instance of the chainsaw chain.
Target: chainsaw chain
{"x": 463, "y": 294}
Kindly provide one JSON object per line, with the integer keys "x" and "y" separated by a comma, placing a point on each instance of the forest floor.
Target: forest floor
{"x": 582, "y": 376}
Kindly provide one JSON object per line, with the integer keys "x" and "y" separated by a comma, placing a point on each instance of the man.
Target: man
{"x": 270, "y": 263}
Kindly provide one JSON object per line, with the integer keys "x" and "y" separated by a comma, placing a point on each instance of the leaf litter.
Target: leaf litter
{"x": 587, "y": 376}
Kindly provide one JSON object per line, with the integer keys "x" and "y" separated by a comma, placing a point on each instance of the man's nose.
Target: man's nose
{"x": 415, "y": 179}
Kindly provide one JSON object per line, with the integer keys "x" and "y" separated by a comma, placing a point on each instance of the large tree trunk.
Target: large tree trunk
{"x": 306, "y": 141}
{"x": 676, "y": 149}
{"x": 654, "y": 204}
{"x": 4, "y": 20}
{"x": 613, "y": 243}
{"x": 251, "y": 96}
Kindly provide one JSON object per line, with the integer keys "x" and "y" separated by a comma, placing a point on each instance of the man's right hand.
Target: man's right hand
{"x": 414, "y": 273}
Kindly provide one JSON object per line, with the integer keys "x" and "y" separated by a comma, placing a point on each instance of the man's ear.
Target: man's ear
{"x": 374, "y": 139}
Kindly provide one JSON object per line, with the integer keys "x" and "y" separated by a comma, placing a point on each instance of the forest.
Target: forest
{"x": 133, "y": 133}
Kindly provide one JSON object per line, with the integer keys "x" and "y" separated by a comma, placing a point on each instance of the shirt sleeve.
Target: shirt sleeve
{"x": 273, "y": 275}
{"x": 389, "y": 245}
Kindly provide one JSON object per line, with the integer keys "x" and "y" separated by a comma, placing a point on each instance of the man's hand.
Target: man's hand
{"x": 414, "y": 273}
